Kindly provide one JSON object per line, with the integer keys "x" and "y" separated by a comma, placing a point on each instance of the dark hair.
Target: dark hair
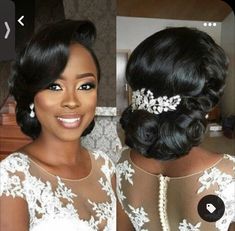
{"x": 175, "y": 61}
{"x": 42, "y": 61}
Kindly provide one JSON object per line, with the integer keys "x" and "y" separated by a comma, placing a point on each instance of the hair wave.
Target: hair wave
{"x": 175, "y": 61}
{"x": 41, "y": 62}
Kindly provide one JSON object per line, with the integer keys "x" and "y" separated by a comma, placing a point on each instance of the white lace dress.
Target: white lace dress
{"x": 156, "y": 202}
{"x": 55, "y": 203}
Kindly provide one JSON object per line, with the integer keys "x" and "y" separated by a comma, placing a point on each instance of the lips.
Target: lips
{"x": 69, "y": 121}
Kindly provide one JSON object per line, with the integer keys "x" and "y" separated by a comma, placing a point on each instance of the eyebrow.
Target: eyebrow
{"x": 80, "y": 76}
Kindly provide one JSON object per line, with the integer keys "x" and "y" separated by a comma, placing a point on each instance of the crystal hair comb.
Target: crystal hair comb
{"x": 144, "y": 100}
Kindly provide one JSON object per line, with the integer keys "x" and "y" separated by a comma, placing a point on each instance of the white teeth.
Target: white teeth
{"x": 68, "y": 120}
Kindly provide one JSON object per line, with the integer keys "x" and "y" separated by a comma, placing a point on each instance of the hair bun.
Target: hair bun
{"x": 175, "y": 61}
{"x": 195, "y": 132}
{"x": 137, "y": 138}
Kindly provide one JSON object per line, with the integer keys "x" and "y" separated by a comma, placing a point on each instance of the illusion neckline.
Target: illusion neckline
{"x": 57, "y": 176}
{"x": 177, "y": 177}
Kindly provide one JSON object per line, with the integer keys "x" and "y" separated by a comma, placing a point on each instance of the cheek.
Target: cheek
{"x": 43, "y": 103}
{"x": 90, "y": 102}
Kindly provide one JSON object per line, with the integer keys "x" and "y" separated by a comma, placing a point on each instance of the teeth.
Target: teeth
{"x": 69, "y": 120}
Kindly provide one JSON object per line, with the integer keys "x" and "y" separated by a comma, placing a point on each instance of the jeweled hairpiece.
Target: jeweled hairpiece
{"x": 144, "y": 100}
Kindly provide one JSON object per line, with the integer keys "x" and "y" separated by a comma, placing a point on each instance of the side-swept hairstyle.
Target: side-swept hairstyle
{"x": 42, "y": 61}
{"x": 175, "y": 61}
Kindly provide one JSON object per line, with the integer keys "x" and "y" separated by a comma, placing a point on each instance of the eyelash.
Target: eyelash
{"x": 86, "y": 87}
{"x": 53, "y": 87}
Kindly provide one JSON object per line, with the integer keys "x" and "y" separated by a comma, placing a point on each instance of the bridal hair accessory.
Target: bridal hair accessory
{"x": 144, "y": 100}
{"x": 32, "y": 113}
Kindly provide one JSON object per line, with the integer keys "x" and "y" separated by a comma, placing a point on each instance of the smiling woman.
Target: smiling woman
{"x": 55, "y": 183}
{"x": 70, "y": 101}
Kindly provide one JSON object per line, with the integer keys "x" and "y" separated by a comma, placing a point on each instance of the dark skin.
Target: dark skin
{"x": 123, "y": 221}
{"x": 72, "y": 160}
{"x": 71, "y": 96}
{"x": 58, "y": 150}
{"x": 231, "y": 227}
{"x": 183, "y": 166}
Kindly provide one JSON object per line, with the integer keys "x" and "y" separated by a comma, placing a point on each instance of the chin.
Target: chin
{"x": 69, "y": 138}
{"x": 69, "y": 135}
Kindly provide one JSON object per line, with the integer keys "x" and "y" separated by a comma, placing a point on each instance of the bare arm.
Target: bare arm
{"x": 13, "y": 214}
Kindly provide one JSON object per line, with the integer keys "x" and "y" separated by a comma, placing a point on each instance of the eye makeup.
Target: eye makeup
{"x": 87, "y": 86}
{"x": 54, "y": 87}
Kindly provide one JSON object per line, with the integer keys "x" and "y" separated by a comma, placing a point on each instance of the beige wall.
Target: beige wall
{"x": 131, "y": 31}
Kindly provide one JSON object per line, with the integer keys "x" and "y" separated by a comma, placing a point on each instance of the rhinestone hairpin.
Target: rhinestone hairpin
{"x": 144, "y": 100}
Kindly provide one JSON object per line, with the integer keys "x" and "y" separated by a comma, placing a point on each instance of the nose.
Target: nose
{"x": 71, "y": 100}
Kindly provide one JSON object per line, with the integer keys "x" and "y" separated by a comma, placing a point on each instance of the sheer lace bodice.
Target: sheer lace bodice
{"x": 156, "y": 202}
{"x": 60, "y": 204}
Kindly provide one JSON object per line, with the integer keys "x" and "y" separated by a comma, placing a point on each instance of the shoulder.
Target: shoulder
{"x": 13, "y": 171}
{"x": 228, "y": 164}
{"x": 100, "y": 155}
{"x": 125, "y": 168}
{"x": 124, "y": 153}
{"x": 103, "y": 160}
{"x": 230, "y": 158}
{"x": 15, "y": 162}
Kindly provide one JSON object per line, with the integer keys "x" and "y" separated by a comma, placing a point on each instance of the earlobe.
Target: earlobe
{"x": 32, "y": 113}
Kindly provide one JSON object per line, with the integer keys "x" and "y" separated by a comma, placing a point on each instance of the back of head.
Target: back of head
{"x": 42, "y": 61}
{"x": 175, "y": 61}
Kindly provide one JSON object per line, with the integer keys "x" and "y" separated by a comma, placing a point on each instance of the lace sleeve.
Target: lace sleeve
{"x": 12, "y": 174}
{"x": 13, "y": 204}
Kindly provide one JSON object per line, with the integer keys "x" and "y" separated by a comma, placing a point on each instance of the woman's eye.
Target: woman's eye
{"x": 54, "y": 87}
{"x": 86, "y": 86}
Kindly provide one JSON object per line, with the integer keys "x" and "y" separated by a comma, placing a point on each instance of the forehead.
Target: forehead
{"x": 79, "y": 61}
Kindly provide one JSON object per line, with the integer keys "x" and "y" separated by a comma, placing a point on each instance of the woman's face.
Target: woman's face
{"x": 67, "y": 106}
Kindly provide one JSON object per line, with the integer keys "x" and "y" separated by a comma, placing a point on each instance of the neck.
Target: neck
{"x": 52, "y": 150}
{"x": 196, "y": 160}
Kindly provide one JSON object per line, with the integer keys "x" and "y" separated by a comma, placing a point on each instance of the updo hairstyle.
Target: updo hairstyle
{"x": 42, "y": 61}
{"x": 175, "y": 61}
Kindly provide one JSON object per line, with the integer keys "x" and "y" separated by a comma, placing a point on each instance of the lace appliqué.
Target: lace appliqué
{"x": 226, "y": 186}
{"x": 11, "y": 184}
{"x": 185, "y": 226}
{"x": 231, "y": 158}
{"x": 162, "y": 206}
{"x": 138, "y": 216}
{"x": 123, "y": 170}
{"x": 106, "y": 210}
{"x": 45, "y": 207}
{"x": 144, "y": 99}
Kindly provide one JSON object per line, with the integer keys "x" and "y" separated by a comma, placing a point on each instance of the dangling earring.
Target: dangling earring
{"x": 32, "y": 113}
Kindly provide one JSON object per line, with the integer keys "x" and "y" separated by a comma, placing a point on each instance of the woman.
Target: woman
{"x": 177, "y": 76}
{"x": 54, "y": 183}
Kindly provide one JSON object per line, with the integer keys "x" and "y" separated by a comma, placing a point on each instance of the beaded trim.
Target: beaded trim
{"x": 162, "y": 203}
{"x": 144, "y": 100}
